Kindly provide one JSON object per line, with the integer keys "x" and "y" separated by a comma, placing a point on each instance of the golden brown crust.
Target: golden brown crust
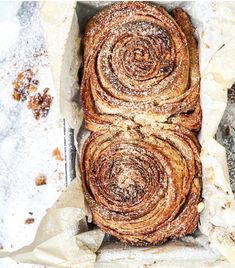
{"x": 143, "y": 186}
{"x": 141, "y": 171}
{"x": 192, "y": 119}
{"x": 140, "y": 65}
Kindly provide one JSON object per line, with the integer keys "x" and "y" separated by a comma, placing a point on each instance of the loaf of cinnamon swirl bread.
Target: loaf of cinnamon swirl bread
{"x": 141, "y": 172}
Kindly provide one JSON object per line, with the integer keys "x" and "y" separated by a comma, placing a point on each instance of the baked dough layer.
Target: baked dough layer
{"x": 140, "y": 66}
{"x": 143, "y": 186}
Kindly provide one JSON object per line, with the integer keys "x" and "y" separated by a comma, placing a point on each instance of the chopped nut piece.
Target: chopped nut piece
{"x": 23, "y": 85}
{"x": 20, "y": 76}
{"x": 57, "y": 154}
{"x": 16, "y": 95}
{"x": 200, "y": 207}
{"x": 40, "y": 104}
{"x": 40, "y": 180}
{"x": 32, "y": 88}
{"x": 29, "y": 221}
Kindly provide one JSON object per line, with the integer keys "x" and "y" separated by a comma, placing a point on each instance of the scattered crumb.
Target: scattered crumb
{"x": 40, "y": 104}
{"x": 40, "y": 180}
{"x": 57, "y": 154}
{"x": 30, "y": 213}
{"x": 32, "y": 88}
{"x": 21, "y": 133}
{"x": 206, "y": 45}
{"x": 60, "y": 175}
{"x": 228, "y": 204}
{"x": 24, "y": 85}
{"x": 29, "y": 221}
{"x": 1, "y": 246}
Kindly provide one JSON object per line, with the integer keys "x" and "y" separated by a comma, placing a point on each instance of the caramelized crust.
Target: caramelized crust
{"x": 140, "y": 67}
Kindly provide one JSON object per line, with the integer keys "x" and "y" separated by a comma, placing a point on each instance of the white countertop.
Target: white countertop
{"x": 26, "y": 144}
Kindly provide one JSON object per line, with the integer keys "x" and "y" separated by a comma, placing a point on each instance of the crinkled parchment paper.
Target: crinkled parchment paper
{"x": 63, "y": 238}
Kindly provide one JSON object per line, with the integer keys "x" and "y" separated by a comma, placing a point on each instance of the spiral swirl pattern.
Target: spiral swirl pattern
{"x": 143, "y": 186}
{"x": 140, "y": 65}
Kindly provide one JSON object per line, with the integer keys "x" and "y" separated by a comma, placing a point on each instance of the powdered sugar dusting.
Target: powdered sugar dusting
{"x": 26, "y": 144}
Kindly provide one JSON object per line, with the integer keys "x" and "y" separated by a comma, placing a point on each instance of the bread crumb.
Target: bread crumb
{"x": 40, "y": 180}
{"x": 57, "y": 154}
{"x": 23, "y": 85}
{"x": 29, "y": 221}
{"x": 40, "y": 104}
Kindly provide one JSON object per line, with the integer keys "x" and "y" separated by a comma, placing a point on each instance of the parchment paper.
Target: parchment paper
{"x": 63, "y": 238}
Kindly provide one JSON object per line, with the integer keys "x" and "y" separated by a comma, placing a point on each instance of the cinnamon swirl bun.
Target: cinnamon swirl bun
{"x": 143, "y": 186}
{"x": 140, "y": 67}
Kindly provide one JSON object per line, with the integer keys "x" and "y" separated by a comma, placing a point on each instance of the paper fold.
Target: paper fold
{"x": 63, "y": 239}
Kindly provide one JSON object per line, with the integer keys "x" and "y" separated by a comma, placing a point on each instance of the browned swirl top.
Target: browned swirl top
{"x": 139, "y": 64}
{"x": 143, "y": 186}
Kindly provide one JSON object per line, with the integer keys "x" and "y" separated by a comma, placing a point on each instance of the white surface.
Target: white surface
{"x": 25, "y": 143}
